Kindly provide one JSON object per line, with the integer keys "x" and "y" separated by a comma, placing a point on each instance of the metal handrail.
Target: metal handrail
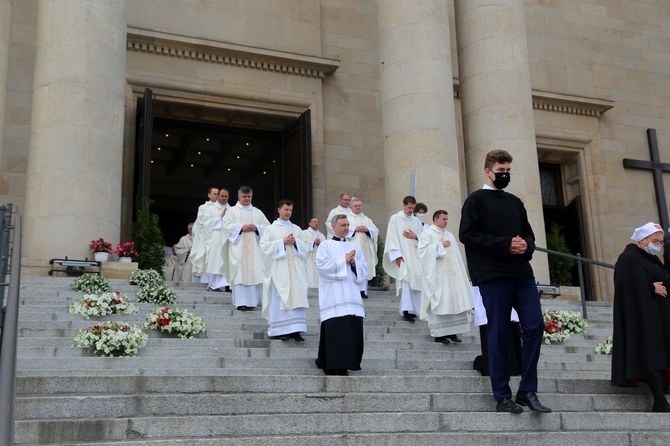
{"x": 580, "y": 270}
{"x": 9, "y": 341}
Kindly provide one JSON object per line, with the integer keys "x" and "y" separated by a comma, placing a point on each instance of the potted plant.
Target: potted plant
{"x": 126, "y": 251}
{"x": 101, "y": 249}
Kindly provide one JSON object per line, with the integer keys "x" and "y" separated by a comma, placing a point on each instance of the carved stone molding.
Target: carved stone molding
{"x": 174, "y": 45}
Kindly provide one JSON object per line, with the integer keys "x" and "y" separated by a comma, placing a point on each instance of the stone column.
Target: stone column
{"x": 420, "y": 149}
{"x": 5, "y": 34}
{"x": 497, "y": 104}
{"x": 73, "y": 187}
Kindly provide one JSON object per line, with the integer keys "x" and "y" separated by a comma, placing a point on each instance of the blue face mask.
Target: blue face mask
{"x": 420, "y": 217}
{"x": 652, "y": 249}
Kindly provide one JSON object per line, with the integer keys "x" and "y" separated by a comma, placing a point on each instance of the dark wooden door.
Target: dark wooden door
{"x": 296, "y": 169}
{"x": 145, "y": 120}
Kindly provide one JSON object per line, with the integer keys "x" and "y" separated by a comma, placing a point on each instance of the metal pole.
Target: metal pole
{"x": 9, "y": 344}
{"x": 581, "y": 284}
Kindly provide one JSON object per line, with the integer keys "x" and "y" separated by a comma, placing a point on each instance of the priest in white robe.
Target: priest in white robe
{"x": 364, "y": 234}
{"x": 285, "y": 287}
{"x": 243, "y": 226}
{"x": 202, "y": 231}
{"x": 341, "y": 270}
{"x": 217, "y": 254}
{"x": 342, "y": 208}
{"x": 446, "y": 294}
{"x": 401, "y": 259}
{"x": 182, "y": 250}
{"x": 315, "y": 237}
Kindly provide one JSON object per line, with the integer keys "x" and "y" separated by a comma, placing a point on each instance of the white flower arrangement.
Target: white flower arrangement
{"x": 175, "y": 320}
{"x": 91, "y": 284}
{"x": 559, "y": 325}
{"x": 112, "y": 339}
{"x": 145, "y": 278}
{"x": 605, "y": 348}
{"x": 101, "y": 305}
{"x": 161, "y": 295}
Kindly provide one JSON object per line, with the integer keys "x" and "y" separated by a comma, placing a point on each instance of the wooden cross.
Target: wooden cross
{"x": 657, "y": 168}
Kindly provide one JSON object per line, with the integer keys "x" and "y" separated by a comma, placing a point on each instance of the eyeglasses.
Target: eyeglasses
{"x": 657, "y": 242}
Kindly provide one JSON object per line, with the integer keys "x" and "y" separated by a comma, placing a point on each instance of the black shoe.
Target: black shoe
{"x": 296, "y": 336}
{"x": 330, "y": 372}
{"x": 217, "y": 290}
{"x": 227, "y": 289}
{"x": 342, "y": 372}
{"x": 454, "y": 338}
{"x": 363, "y": 295}
{"x": 663, "y": 407}
{"x": 408, "y": 317}
{"x": 530, "y": 400}
{"x": 283, "y": 338}
{"x": 509, "y": 406}
{"x": 442, "y": 339}
{"x": 243, "y": 308}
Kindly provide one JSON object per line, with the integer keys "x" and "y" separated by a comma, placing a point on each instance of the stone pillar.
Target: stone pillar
{"x": 73, "y": 187}
{"x": 5, "y": 34}
{"x": 420, "y": 149}
{"x": 497, "y": 104}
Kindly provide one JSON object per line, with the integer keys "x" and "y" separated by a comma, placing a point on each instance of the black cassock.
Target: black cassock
{"x": 641, "y": 318}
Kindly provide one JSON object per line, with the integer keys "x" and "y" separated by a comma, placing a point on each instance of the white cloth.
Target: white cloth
{"x": 202, "y": 231}
{"x": 446, "y": 293}
{"x": 645, "y": 231}
{"x": 217, "y": 253}
{"x": 333, "y": 212}
{"x": 285, "y": 286}
{"x": 312, "y": 271}
{"x": 339, "y": 293}
{"x": 409, "y": 272}
{"x": 247, "y": 295}
{"x": 366, "y": 243}
{"x": 182, "y": 249}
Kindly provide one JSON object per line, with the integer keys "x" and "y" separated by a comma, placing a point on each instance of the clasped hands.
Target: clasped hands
{"x": 350, "y": 256}
{"x": 250, "y": 227}
{"x": 660, "y": 289}
{"x": 518, "y": 246}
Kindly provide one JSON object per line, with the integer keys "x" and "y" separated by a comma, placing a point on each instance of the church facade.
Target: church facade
{"x": 105, "y": 101}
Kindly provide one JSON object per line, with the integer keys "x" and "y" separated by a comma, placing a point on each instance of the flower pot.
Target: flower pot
{"x": 101, "y": 256}
{"x": 125, "y": 259}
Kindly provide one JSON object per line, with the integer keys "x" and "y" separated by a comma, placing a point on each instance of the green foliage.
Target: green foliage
{"x": 560, "y": 268}
{"x": 380, "y": 275}
{"x": 148, "y": 240}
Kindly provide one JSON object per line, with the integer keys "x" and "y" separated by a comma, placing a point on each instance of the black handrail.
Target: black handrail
{"x": 8, "y": 341}
{"x": 580, "y": 270}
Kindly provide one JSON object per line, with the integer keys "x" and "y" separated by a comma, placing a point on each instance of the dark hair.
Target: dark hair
{"x": 439, "y": 212}
{"x": 284, "y": 202}
{"x": 497, "y": 156}
{"x": 209, "y": 191}
{"x": 245, "y": 190}
{"x": 224, "y": 188}
{"x": 312, "y": 218}
{"x": 420, "y": 207}
{"x": 409, "y": 199}
{"x": 342, "y": 195}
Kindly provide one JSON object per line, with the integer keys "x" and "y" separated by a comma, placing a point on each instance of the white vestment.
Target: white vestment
{"x": 446, "y": 293}
{"x": 408, "y": 275}
{"x": 312, "y": 271}
{"x": 245, "y": 260}
{"x": 182, "y": 249}
{"x": 217, "y": 254}
{"x": 285, "y": 286}
{"x": 202, "y": 231}
{"x": 367, "y": 244}
{"x": 333, "y": 213}
{"x": 339, "y": 293}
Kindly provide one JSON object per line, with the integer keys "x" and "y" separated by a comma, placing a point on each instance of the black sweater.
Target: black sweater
{"x": 490, "y": 220}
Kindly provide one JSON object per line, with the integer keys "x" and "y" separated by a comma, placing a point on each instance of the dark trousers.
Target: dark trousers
{"x": 499, "y": 297}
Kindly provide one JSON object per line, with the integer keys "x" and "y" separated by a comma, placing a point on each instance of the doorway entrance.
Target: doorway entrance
{"x": 191, "y": 149}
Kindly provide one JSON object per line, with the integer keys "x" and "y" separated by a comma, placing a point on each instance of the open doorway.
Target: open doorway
{"x": 192, "y": 148}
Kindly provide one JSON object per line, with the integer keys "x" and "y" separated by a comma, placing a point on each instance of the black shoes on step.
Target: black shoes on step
{"x": 509, "y": 406}
{"x": 529, "y": 399}
{"x": 454, "y": 338}
{"x": 408, "y": 316}
{"x": 442, "y": 339}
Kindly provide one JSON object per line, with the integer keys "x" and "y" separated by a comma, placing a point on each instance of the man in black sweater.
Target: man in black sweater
{"x": 499, "y": 244}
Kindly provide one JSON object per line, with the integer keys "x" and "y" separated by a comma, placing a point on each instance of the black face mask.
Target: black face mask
{"x": 502, "y": 180}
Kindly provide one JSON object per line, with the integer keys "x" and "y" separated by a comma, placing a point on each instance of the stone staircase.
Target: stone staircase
{"x": 233, "y": 386}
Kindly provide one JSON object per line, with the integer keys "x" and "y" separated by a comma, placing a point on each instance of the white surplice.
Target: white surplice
{"x": 217, "y": 254}
{"x": 202, "y": 231}
{"x": 245, "y": 260}
{"x": 409, "y": 274}
{"x": 367, "y": 244}
{"x": 446, "y": 293}
{"x": 182, "y": 272}
{"x": 331, "y": 214}
{"x": 312, "y": 271}
{"x": 339, "y": 293}
{"x": 285, "y": 286}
